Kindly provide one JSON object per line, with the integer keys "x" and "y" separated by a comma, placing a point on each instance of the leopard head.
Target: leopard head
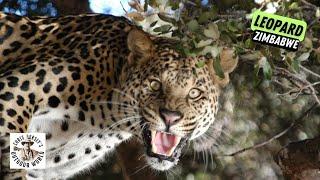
{"x": 175, "y": 100}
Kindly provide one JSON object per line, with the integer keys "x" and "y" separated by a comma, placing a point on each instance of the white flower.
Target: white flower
{"x": 259, "y": 1}
{"x": 272, "y": 7}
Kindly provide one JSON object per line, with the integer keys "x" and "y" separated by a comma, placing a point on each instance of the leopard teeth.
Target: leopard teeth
{"x": 175, "y": 146}
{"x": 153, "y": 145}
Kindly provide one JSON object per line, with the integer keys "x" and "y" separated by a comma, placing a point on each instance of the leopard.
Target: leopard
{"x": 93, "y": 81}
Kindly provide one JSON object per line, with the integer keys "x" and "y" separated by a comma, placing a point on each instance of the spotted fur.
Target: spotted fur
{"x": 85, "y": 82}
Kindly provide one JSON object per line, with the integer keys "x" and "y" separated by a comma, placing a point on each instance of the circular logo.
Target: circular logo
{"x": 27, "y": 150}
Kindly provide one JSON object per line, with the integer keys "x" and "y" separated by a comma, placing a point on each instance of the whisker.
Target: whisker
{"x": 113, "y": 102}
{"x": 116, "y": 103}
{"x": 174, "y": 174}
{"x": 228, "y": 135}
{"x": 211, "y": 157}
{"x": 120, "y": 116}
{"x": 125, "y": 120}
{"x": 206, "y": 160}
{"x": 140, "y": 169}
{"x": 144, "y": 125}
{"x": 141, "y": 156}
{"x": 134, "y": 124}
{"x": 125, "y": 94}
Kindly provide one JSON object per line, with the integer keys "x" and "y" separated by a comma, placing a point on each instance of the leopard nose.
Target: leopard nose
{"x": 170, "y": 117}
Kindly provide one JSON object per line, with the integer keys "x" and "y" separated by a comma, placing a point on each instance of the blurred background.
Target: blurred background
{"x": 254, "y": 107}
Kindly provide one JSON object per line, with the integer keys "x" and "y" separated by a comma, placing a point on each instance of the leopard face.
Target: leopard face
{"x": 176, "y": 100}
{"x": 109, "y": 79}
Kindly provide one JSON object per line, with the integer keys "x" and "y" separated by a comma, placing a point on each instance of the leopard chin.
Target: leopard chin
{"x": 163, "y": 149}
{"x": 160, "y": 165}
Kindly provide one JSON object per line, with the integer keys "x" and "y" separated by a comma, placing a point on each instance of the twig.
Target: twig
{"x": 294, "y": 79}
{"x": 309, "y": 71}
{"x": 293, "y": 123}
{"x": 126, "y": 12}
{"x": 309, "y": 4}
{"x": 191, "y": 3}
{"x": 297, "y": 81}
{"x": 298, "y": 91}
{"x": 314, "y": 94}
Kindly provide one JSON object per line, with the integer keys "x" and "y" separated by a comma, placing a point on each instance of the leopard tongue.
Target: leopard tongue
{"x": 164, "y": 143}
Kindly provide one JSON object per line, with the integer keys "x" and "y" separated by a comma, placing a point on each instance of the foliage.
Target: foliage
{"x": 270, "y": 88}
{"x": 28, "y": 7}
{"x": 203, "y": 29}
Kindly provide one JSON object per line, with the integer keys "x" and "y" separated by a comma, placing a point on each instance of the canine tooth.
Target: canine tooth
{"x": 177, "y": 140}
{"x": 153, "y": 134}
{"x": 171, "y": 151}
{"x": 153, "y": 145}
{"x": 154, "y": 148}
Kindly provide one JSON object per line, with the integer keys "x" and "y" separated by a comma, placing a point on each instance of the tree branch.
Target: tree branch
{"x": 293, "y": 123}
{"x": 309, "y": 4}
{"x": 297, "y": 81}
{"x": 309, "y": 71}
{"x": 72, "y": 7}
{"x": 132, "y": 162}
{"x": 300, "y": 160}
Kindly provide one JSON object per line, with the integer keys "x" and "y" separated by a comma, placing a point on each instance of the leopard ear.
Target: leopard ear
{"x": 228, "y": 62}
{"x": 140, "y": 45}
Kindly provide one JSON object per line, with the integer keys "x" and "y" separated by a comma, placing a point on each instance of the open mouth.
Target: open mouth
{"x": 164, "y": 143}
{"x": 161, "y": 144}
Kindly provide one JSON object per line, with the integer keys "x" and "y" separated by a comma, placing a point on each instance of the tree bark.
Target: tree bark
{"x": 133, "y": 164}
{"x": 72, "y": 7}
{"x": 300, "y": 160}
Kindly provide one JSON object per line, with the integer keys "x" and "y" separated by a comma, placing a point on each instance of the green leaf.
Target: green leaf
{"x": 181, "y": 49}
{"x": 196, "y": 50}
{"x": 232, "y": 26}
{"x": 177, "y": 33}
{"x": 256, "y": 78}
{"x": 217, "y": 68}
{"x": 153, "y": 3}
{"x": 318, "y": 12}
{"x": 153, "y": 23}
{"x": 266, "y": 67}
{"x": 212, "y": 31}
{"x": 252, "y": 56}
{"x": 295, "y": 65}
{"x": 189, "y": 53}
{"x": 307, "y": 42}
{"x": 163, "y": 29}
{"x": 248, "y": 43}
{"x": 294, "y": 5}
{"x": 204, "y": 17}
{"x": 200, "y": 64}
{"x": 303, "y": 56}
{"x": 193, "y": 25}
{"x": 222, "y": 26}
{"x": 174, "y": 4}
{"x": 145, "y": 7}
{"x": 239, "y": 50}
{"x": 204, "y": 43}
{"x": 267, "y": 71}
{"x": 240, "y": 26}
{"x": 166, "y": 18}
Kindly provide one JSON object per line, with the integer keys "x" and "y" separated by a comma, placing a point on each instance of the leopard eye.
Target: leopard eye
{"x": 155, "y": 85}
{"x": 194, "y": 93}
